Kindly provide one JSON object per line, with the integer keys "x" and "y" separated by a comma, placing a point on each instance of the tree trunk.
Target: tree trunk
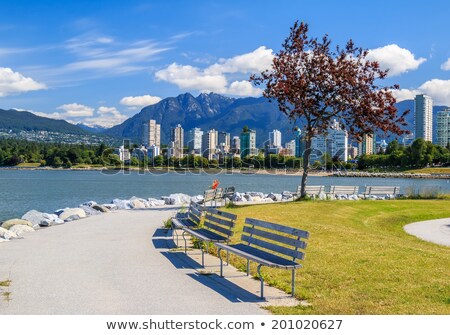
{"x": 306, "y": 156}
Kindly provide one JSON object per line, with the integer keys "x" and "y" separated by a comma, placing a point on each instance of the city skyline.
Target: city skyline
{"x": 74, "y": 62}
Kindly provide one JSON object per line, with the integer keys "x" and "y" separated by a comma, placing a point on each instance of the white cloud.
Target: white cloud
{"x": 214, "y": 78}
{"x": 188, "y": 77}
{"x": 140, "y": 101}
{"x": 14, "y": 82}
{"x": 446, "y": 65}
{"x": 105, "y": 117}
{"x": 243, "y": 88}
{"x": 397, "y": 60}
{"x": 405, "y": 94}
{"x": 76, "y": 113}
{"x": 75, "y": 110}
{"x": 252, "y": 62}
{"x": 438, "y": 89}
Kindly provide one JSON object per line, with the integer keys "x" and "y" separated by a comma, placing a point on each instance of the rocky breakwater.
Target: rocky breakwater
{"x": 33, "y": 220}
{"x": 366, "y": 174}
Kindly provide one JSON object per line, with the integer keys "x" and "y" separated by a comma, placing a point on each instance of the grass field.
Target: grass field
{"x": 359, "y": 260}
{"x": 442, "y": 170}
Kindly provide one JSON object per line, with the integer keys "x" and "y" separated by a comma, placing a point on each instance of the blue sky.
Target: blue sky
{"x": 100, "y": 62}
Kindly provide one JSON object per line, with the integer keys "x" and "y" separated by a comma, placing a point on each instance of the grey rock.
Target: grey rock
{"x": 90, "y": 210}
{"x": 3, "y": 240}
{"x": 72, "y": 218}
{"x": 21, "y": 229}
{"x": 39, "y": 219}
{"x": 275, "y": 196}
{"x": 101, "y": 208}
{"x": 9, "y": 223}
{"x": 7, "y": 234}
{"x": 122, "y": 204}
{"x": 72, "y": 212}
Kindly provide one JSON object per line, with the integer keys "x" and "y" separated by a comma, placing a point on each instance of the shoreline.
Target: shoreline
{"x": 271, "y": 172}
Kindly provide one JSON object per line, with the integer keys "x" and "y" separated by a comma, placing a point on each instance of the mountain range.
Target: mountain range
{"x": 206, "y": 111}
{"x": 211, "y": 110}
{"x": 15, "y": 121}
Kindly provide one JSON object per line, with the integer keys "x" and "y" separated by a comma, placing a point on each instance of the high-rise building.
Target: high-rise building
{"x": 151, "y": 133}
{"x": 423, "y": 117}
{"x": 248, "y": 143}
{"x": 236, "y": 145}
{"x": 337, "y": 142}
{"x": 443, "y": 127}
{"x": 194, "y": 141}
{"x": 289, "y": 148}
{"x": 124, "y": 154}
{"x": 368, "y": 145}
{"x": 275, "y": 139}
{"x": 177, "y": 137}
{"x": 224, "y": 140}
{"x": 209, "y": 144}
{"x": 334, "y": 144}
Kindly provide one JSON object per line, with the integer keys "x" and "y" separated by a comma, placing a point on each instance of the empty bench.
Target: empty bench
{"x": 268, "y": 244}
{"x": 391, "y": 191}
{"x": 337, "y": 190}
{"x": 311, "y": 190}
{"x": 189, "y": 219}
{"x": 217, "y": 227}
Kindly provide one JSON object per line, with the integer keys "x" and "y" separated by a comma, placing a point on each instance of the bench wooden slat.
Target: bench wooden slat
{"x": 337, "y": 189}
{"x": 209, "y": 195}
{"x": 382, "y": 190}
{"x": 275, "y": 237}
{"x": 195, "y": 211}
{"x": 224, "y": 222}
{"x": 260, "y": 256}
{"x": 226, "y": 231}
{"x": 277, "y": 227}
{"x": 273, "y": 247}
{"x": 206, "y": 235}
{"x": 222, "y": 213}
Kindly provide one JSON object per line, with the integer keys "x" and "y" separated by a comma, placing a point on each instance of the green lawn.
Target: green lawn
{"x": 359, "y": 260}
{"x": 442, "y": 170}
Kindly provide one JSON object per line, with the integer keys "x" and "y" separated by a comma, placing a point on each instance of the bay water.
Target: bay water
{"x": 48, "y": 190}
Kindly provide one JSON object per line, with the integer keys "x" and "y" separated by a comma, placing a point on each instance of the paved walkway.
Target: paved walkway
{"x": 117, "y": 263}
{"x": 436, "y": 231}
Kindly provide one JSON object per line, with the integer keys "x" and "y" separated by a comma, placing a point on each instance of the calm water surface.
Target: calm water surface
{"x": 48, "y": 190}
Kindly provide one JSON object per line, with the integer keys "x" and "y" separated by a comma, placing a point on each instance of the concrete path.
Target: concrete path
{"x": 116, "y": 263}
{"x": 436, "y": 231}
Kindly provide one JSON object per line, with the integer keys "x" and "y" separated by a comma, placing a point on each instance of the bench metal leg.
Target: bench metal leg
{"x": 262, "y": 280}
{"x": 185, "y": 242}
{"x": 221, "y": 262}
{"x": 293, "y": 282}
{"x": 176, "y": 234}
{"x": 248, "y": 267}
{"x": 228, "y": 258}
{"x": 203, "y": 254}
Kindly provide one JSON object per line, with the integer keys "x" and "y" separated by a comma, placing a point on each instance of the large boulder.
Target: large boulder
{"x": 197, "y": 198}
{"x": 155, "y": 202}
{"x": 287, "y": 195}
{"x": 9, "y": 223}
{"x": 178, "y": 199}
{"x": 139, "y": 203}
{"x": 275, "y": 196}
{"x": 90, "y": 210}
{"x": 110, "y": 206}
{"x": 89, "y": 203}
{"x": 72, "y": 212}
{"x": 7, "y": 234}
{"x": 39, "y": 219}
{"x": 21, "y": 229}
{"x": 3, "y": 240}
{"x": 122, "y": 204}
{"x": 101, "y": 208}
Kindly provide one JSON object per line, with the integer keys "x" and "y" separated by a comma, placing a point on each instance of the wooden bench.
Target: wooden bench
{"x": 208, "y": 196}
{"x": 343, "y": 190}
{"x": 382, "y": 190}
{"x": 311, "y": 190}
{"x": 257, "y": 245}
{"x": 218, "y": 196}
{"x": 189, "y": 219}
{"x": 217, "y": 227}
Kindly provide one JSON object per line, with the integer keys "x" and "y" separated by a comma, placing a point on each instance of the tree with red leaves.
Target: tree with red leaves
{"x": 314, "y": 84}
